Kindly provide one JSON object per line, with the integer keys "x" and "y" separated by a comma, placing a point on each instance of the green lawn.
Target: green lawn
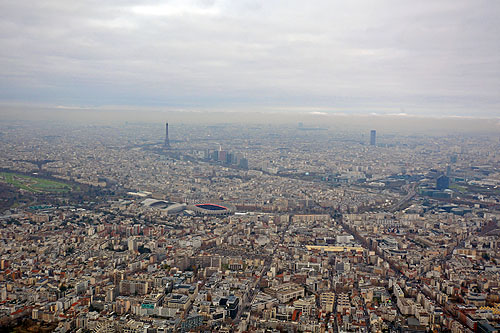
{"x": 33, "y": 184}
{"x": 458, "y": 188}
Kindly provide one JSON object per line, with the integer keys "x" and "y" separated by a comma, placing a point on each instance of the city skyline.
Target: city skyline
{"x": 249, "y": 166}
{"x": 247, "y": 228}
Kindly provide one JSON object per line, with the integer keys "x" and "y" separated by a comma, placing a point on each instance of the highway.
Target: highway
{"x": 401, "y": 203}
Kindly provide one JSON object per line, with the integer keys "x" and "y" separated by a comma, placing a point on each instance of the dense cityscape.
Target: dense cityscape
{"x": 232, "y": 227}
{"x": 249, "y": 166}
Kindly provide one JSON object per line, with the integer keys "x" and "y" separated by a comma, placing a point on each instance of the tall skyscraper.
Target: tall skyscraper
{"x": 222, "y": 156}
{"x": 373, "y": 137}
{"x": 442, "y": 182}
{"x": 243, "y": 163}
{"x": 167, "y": 141}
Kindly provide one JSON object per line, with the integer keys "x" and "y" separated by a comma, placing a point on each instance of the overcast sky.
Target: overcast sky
{"x": 415, "y": 57}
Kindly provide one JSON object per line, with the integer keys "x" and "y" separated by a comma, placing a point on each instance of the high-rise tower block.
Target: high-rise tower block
{"x": 167, "y": 141}
{"x": 373, "y": 137}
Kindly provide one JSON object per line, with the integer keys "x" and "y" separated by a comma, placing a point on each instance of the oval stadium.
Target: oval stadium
{"x": 166, "y": 206}
{"x": 211, "y": 209}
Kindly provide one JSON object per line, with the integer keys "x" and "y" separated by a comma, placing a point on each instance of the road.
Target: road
{"x": 394, "y": 267}
{"x": 401, "y": 203}
{"x": 246, "y": 304}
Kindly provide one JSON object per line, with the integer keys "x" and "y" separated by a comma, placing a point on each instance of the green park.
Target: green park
{"x": 33, "y": 184}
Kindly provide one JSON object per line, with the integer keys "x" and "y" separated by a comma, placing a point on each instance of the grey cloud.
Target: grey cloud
{"x": 425, "y": 57}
